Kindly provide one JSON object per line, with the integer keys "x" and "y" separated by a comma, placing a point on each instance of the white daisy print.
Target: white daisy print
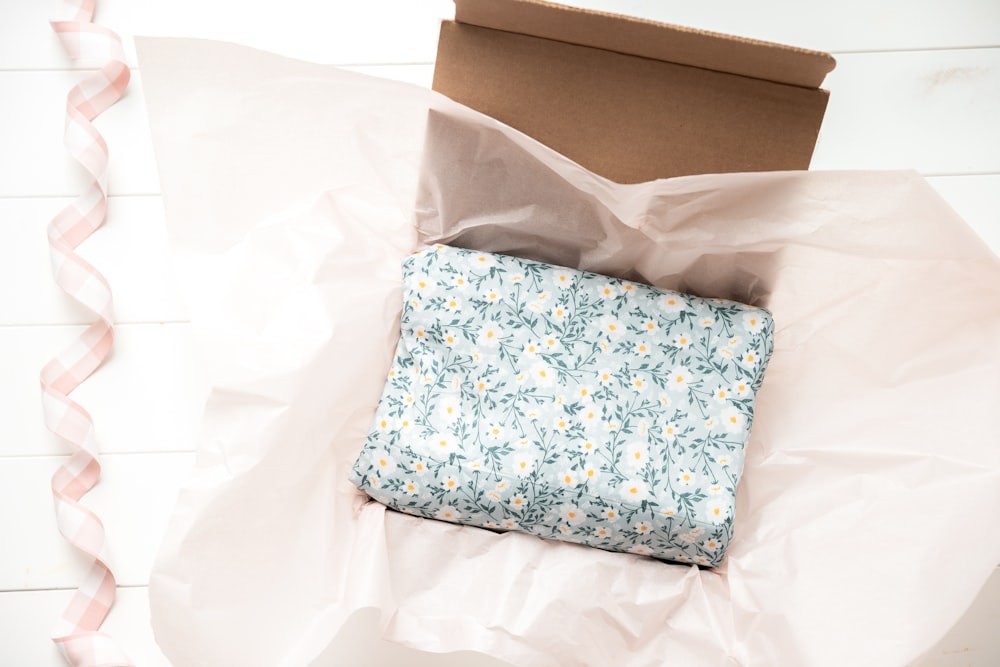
{"x": 572, "y": 515}
{"x": 753, "y": 322}
{"x": 606, "y": 291}
{"x": 543, "y": 374}
{"x": 559, "y": 313}
{"x": 732, "y": 420}
{"x": 523, "y": 463}
{"x": 683, "y": 340}
{"x": 448, "y": 513}
{"x": 383, "y": 462}
{"x": 589, "y": 417}
{"x": 492, "y": 294}
{"x": 685, "y": 477}
{"x": 670, "y": 431}
{"x": 671, "y": 303}
{"x": 717, "y": 510}
{"x": 636, "y": 454}
{"x": 612, "y": 327}
{"x": 422, "y": 284}
{"x": 531, "y": 349}
{"x": 489, "y": 336}
{"x": 679, "y": 378}
{"x": 483, "y": 260}
{"x": 441, "y": 444}
{"x": 450, "y": 483}
{"x": 411, "y": 488}
{"x": 551, "y": 343}
{"x": 450, "y": 409}
{"x": 634, "y": 490}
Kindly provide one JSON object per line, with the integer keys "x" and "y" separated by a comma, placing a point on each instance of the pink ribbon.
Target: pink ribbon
{"x": 77, "y": 633}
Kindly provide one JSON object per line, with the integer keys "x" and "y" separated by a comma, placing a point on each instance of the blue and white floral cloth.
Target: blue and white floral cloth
{"x": 566, "y": 404}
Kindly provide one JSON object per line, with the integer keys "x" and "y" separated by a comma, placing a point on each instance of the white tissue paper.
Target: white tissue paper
{"x": 865, "y": 521}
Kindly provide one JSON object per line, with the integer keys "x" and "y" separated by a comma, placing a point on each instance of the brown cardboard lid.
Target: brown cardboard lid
{"x": 630, "y": 99}
{"x": 650, "y": 39}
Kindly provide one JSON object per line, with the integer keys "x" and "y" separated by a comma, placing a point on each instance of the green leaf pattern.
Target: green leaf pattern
{"x": 566, "y": 404}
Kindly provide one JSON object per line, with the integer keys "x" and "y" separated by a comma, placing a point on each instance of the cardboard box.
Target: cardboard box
{"x": 631, "y": 99}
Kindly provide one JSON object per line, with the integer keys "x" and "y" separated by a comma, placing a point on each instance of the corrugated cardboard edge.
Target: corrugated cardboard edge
{"x": 650, "y": 39}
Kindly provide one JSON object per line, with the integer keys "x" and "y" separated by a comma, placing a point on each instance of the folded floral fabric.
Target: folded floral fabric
{"x": 566, "y": 404}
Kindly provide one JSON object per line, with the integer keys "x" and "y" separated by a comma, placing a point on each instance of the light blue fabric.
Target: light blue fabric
{"x": 567, "y": 405}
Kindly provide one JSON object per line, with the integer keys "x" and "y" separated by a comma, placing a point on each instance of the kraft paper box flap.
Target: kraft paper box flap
{"x": 631, "y": 99}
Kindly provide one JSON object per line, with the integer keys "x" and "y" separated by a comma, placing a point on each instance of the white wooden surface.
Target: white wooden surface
{"x": 917, "y": 86}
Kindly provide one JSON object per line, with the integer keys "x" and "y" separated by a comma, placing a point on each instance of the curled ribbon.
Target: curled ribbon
{"x": 77, "y": 633}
